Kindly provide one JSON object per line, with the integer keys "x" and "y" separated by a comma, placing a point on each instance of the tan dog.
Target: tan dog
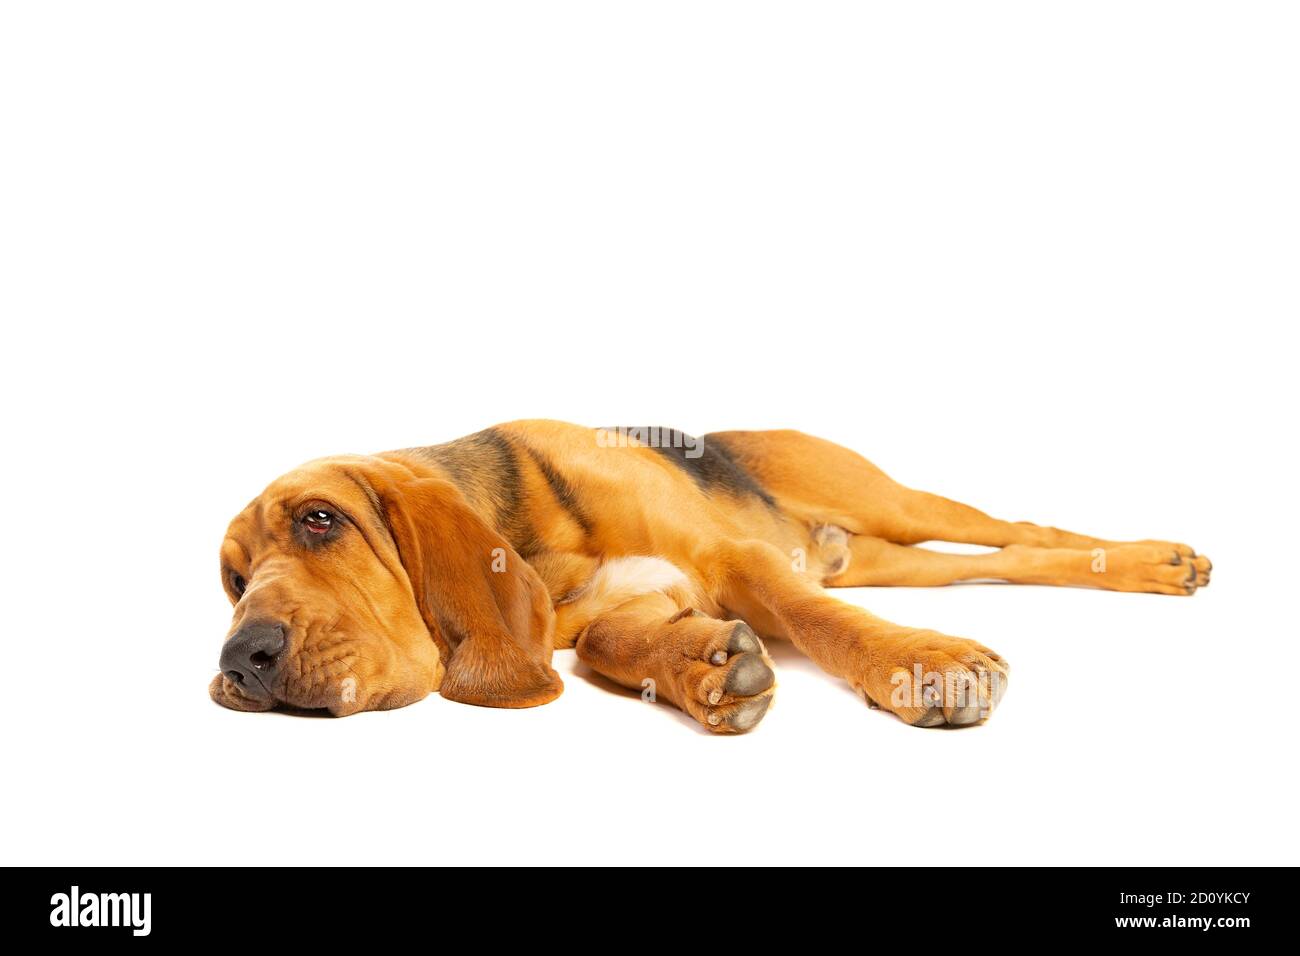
{"x": 365, "y": 583}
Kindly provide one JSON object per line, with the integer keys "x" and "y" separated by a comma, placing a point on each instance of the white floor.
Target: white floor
{"x": 1133, "y": 732}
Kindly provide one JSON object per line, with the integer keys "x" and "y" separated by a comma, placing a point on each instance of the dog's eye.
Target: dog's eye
{"x": 318, "y": 521}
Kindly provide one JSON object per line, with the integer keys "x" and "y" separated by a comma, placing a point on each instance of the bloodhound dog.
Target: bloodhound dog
{"x": 665, "y": 560}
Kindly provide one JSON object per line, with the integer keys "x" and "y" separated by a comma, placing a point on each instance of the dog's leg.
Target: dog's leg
{"x": 925, "y": 677}
{"x": 907, "y": 516}
{"x": 1130, "y": 567}
{"x": 821, "y": 482}
{"x": 716, "y": 671}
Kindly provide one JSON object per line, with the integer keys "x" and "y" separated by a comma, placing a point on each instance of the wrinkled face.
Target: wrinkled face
{"x": 326, "y": 615}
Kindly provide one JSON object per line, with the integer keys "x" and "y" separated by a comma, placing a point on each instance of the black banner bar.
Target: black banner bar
{"x": 334, "y": 906}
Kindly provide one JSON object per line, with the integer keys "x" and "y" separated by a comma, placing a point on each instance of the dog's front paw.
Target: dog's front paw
{"x": 930, "y": 679}
{"x": 721, "y": 675}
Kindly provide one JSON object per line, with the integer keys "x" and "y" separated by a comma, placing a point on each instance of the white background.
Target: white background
{"x": 1037, "y": 257}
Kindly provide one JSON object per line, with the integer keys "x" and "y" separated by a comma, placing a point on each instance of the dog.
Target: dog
{"x": 368, "y": 582}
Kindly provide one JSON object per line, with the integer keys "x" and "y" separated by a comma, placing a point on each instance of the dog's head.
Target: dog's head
{"x": 365, "y": 583}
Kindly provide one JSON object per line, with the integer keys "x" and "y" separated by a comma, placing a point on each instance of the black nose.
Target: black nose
{"x": 251, "y": 656}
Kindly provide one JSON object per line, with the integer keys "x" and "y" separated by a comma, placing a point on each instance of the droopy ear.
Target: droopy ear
{"x": 485, "y": 601}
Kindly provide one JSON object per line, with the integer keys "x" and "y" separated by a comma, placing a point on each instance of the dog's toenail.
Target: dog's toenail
{"x": 715, "y": 696}
{"x": 1178, "y": 558}
{"x": 714, "y": 720}
{"x": 719, "y": 657}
